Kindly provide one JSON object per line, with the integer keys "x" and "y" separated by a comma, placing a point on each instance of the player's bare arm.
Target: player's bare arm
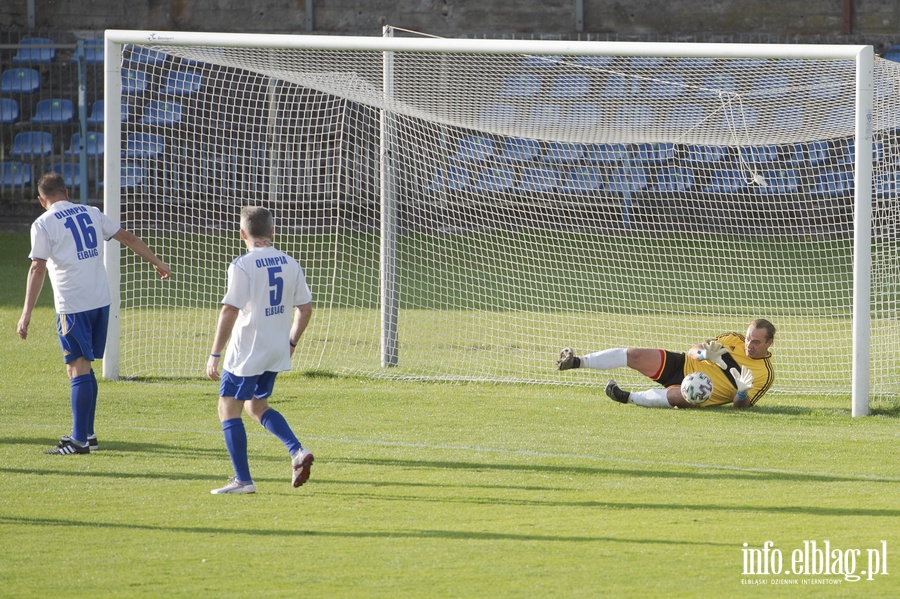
{"x": 227, "y": 317}
{"x": 35, "y": 282}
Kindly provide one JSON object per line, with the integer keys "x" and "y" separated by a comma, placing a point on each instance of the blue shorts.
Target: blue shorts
{"x": 83, "y": 334}
{"x": 247, "y": 387}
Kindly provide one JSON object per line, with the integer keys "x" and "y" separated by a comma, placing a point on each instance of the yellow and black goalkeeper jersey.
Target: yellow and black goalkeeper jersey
{"x": 724, "y": 387}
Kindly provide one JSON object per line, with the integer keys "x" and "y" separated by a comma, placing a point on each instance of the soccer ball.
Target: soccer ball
{"x": 696, "y": 387}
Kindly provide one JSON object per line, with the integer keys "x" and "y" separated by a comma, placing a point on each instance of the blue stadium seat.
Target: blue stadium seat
{"x": 646, "y": 62}
{"x": 15, "y": 174}
{"x": 545, "y": 115}
{"x": 789, "y": 118}
{"x": 145, "y": 56}
{"x": 499, "y": 115}
{"x": 54, "y": 111}
{"x": 826, "y": 86}
{"x": 134, "y": 83}
{"x": 737, "y": 118}
{"x": 539, "y": 179}
{"x": 697, "y": 64}
{"x": 817, "y": 152}
{"x": 570, "y": 86}
{"x": 132, "y": 176}
{"x": 93, "y": 145}
{"x": 833, "y": 184}
{"x": 636, "y": 115}
{"x": 563, "y": 152}
{"x": 778, "y": 182}
{"x": 707, "y": 156}
{"x": 687, "y": 116}
{"x": 674, "y": 179}
{"x": 70, "y": 171}
{"x": 521, "y": 86}
{"x": 713, "y": 86}
{"x": 35, "y": 50}
{"x": 93, "y": 51}
{"x": 452, "y": 178}
{"x": 759, "y": 155}
{"x": 665, "y": 87}
{"x": 96, "y": 116}
{"x": 727, "y": 181}
{"x": 582, "y": 114}
{"x": 157, "y": 112}
{"x": 893, "y": 53}
{"x": 518, "y": 149}
{"x": 540, "y": 60}
{"x": 20, "y": 81}
{"x": 144, "y": 145}
{"x": 183, "y": 83}
{"x": 845, "y": 153}
{"x": 606, "y": 154}
{"x": 9, "y": 110}
{"x": 31, "y": 144}
{"x": 475, "y": 148}
{"x": 627, "y": 179}
{"x": 621, "y": 86}
{"x": 655, "y": 154}
{"x": 496, "y": 179}
{"x": 887, "y": 185}
{"x": 581, "y": 179}
{"x": 593, "y": 61}
{"x": 770, "y": 86}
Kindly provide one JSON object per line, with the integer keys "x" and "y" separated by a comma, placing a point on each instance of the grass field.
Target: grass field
{"x": 434, "y": 490}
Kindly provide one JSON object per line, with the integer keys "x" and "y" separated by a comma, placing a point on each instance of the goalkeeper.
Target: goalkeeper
{"x": 739, "y": 366}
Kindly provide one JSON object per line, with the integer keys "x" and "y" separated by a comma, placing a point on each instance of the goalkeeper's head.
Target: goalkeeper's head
{"x": 760, "y": 335}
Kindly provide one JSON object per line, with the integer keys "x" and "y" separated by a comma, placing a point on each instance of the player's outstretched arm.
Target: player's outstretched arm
{"x": 137, "y": 245}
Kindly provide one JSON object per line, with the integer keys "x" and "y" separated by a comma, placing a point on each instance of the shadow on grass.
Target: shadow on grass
{"x": 387, "y": 534}
{"x": 700, "y": 472}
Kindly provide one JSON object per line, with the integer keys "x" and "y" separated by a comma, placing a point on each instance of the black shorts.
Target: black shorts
{"x": 672, "y": 371}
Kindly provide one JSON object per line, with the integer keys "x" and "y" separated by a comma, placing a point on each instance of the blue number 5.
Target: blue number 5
{"x": 277, "y": 286}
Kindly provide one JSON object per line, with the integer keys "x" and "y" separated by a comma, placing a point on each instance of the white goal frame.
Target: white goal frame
{"x": 862, "y": 55}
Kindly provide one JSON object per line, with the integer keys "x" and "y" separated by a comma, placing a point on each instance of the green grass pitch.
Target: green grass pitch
{"x": 433, "y": 490}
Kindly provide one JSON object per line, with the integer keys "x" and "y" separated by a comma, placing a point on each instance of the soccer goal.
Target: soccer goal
{"x": 466, "y": 208}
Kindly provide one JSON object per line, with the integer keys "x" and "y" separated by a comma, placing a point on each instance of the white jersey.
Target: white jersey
{"x": 70, "y": 238}
{"x": 264, "y": 284}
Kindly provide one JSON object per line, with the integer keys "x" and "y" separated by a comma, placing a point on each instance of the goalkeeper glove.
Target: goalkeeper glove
{"x": 743, "y": 380}
{"x": 713, "y": 351}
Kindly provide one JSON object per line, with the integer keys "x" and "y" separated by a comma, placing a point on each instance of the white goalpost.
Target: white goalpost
{"x": 465, "y": 208}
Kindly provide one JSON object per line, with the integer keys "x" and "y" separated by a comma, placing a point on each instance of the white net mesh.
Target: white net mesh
{"x": 541, "y": 202}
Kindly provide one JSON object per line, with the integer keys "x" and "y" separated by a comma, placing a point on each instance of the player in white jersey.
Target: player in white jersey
{"x": 266, "y": 308}
{"x": 67, "y": 241}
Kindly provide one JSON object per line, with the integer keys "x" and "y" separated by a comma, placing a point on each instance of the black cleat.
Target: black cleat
{"x": 567, "y": 360}
{"x": 67, "y": 447}
{"x": 615, "y": 393}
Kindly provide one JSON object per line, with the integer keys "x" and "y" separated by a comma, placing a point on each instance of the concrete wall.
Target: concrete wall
{"x": 466, "y": 17}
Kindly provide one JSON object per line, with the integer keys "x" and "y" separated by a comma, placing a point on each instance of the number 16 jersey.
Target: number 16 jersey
{"x": 70, "y": 238}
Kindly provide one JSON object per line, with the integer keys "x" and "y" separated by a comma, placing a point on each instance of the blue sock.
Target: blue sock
{"x": 236, "y": 442}
{"x": 93, "y": 411}
{"x": 82, "y": 399}
{"x": 278, "y": 426}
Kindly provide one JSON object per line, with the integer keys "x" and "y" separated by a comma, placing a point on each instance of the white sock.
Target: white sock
{"x": 606, "y": 359}
{"x": 651, "y": 398}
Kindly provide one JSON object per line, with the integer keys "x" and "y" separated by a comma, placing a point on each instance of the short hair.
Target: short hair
{"x": 762, "y": 323}
{"x": 52, "y": 185}
{"x": 257, "y": 221}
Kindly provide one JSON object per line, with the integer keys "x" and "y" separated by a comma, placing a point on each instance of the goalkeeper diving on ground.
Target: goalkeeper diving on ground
{"x": 740, "y": 367}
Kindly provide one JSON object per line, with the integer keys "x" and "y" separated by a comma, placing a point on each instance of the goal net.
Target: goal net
{"x": 465, "y": 209}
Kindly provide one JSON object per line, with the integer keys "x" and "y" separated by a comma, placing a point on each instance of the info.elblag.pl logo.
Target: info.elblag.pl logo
{"x": 813, "y": 562}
